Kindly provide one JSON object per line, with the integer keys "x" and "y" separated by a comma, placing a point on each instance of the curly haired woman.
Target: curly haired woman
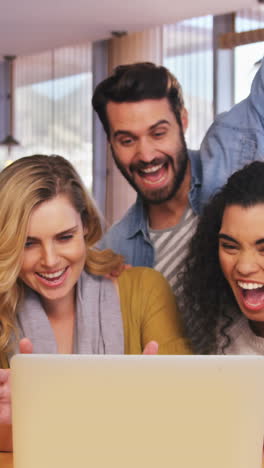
{"x": 223, "y": 298}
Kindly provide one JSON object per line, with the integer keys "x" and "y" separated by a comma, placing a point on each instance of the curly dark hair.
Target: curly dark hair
{"x": 207, "y": 296}
{"x": 136, "y": 82}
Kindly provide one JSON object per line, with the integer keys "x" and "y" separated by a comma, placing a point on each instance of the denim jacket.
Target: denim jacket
{"x": 234, "y": 139}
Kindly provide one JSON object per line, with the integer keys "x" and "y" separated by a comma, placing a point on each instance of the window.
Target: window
{"x": 188, "y": 54}
{"x": 52, "y": 99}
{"x": 247, "y": 55}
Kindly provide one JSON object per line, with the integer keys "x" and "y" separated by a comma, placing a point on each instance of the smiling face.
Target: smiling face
{"x": 241, "y": 256}
{"x": 55, "y": 250}
{"x": 148, "y": 147}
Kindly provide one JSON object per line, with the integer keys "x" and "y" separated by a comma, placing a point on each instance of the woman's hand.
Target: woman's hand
{"x": 25, "y": 347}
{"x": 6, "y": 444}
{"x": 118, "y": 271}
{"x": 5, "y": 397}
{"x": 151, "y": 348}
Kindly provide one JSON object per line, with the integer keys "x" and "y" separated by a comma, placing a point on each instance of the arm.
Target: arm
{"x": 6, "y": 444}
{"x": 160, "y": 316}
{"x": 149, "y": 313}
{"x": 234, "y": 139}
{"x": 256, "y": 96}
{"x": 5, "y": 411}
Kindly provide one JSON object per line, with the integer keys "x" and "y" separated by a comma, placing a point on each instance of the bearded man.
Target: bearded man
{"x": 142, "y": 111}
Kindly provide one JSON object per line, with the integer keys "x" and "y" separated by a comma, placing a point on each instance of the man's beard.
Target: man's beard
{"x": 163, "y": 194}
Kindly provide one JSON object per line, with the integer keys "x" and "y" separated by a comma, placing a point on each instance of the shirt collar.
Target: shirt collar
{"x": 137, "y": 219}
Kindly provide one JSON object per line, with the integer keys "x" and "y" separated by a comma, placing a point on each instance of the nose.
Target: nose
{"x": 145, "y": 150}
{"x": 247, "y": 264}
{"x": 49, "y": 256}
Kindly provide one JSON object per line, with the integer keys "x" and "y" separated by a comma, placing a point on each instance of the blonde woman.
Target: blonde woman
{"x": 54, "y": 295}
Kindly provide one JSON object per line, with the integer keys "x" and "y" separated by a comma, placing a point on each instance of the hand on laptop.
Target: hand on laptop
{"x": 5, "y": 412}
{"x": 25, "y": 347}
{"x": 5, "y": 397}
{"x": 151, "y": 348}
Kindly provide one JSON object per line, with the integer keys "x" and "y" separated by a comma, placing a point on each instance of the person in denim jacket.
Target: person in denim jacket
{"x": 142, "y": 111}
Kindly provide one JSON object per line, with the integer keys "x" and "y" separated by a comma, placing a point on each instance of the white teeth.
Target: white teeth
{"x": 52, "y": 275}
{"x": 155, "y": 182}
{"x": 152, "y": 169}
{"x": 249, "y": 285}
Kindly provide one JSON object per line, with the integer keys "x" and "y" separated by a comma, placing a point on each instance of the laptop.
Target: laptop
{"x": 80, "y": 411}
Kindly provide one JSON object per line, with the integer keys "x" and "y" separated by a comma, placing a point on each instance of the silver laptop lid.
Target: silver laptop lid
{"x": 137, "y": 411}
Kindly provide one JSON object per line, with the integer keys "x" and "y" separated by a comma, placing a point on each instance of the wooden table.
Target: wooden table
{"x": 6, "y": 460}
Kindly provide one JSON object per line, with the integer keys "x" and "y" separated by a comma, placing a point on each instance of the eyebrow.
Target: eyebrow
{"x": 231, "y": 239}
{"x": 259, "y": 241}
{"x": 228, "y": 238}
{"x": 152, "y": 127}
{"x": 160, "y": 122}
{"x": 67, "y": 231}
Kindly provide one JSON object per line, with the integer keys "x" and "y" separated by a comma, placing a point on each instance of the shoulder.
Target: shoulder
{"x": 142, "y": 276}
{"x": 245, "y": 119}
{"x": 118, "y": 230}
{"x": 144, "y": 291}
{"x": 150, "y": 311}
{"x": 125, "y": 221}
{"x": 145, "y": 288}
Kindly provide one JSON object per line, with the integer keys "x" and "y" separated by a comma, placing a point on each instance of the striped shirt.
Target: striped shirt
{"x": 171, "y": 246}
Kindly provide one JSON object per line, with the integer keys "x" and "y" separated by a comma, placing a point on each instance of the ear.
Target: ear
{"x": 184, "y": 119}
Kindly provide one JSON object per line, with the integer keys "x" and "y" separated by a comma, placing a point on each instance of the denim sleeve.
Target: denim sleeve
{"x": 256, "y": 96}
{"x": 234, "y": 139}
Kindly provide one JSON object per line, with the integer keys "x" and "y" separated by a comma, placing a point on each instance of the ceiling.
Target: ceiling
{"x": 28, "y": 26}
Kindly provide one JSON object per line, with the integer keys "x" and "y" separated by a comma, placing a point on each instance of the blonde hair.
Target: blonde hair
{"x": 24, "y": 184}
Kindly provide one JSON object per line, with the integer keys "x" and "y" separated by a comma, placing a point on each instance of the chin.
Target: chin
{"x": 157, "y": 197}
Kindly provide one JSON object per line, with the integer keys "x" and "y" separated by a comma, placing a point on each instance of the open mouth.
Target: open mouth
{"x": 252, "y": 294}
{"x": 53, "y": 278}
{"x": 153, "y": 174}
